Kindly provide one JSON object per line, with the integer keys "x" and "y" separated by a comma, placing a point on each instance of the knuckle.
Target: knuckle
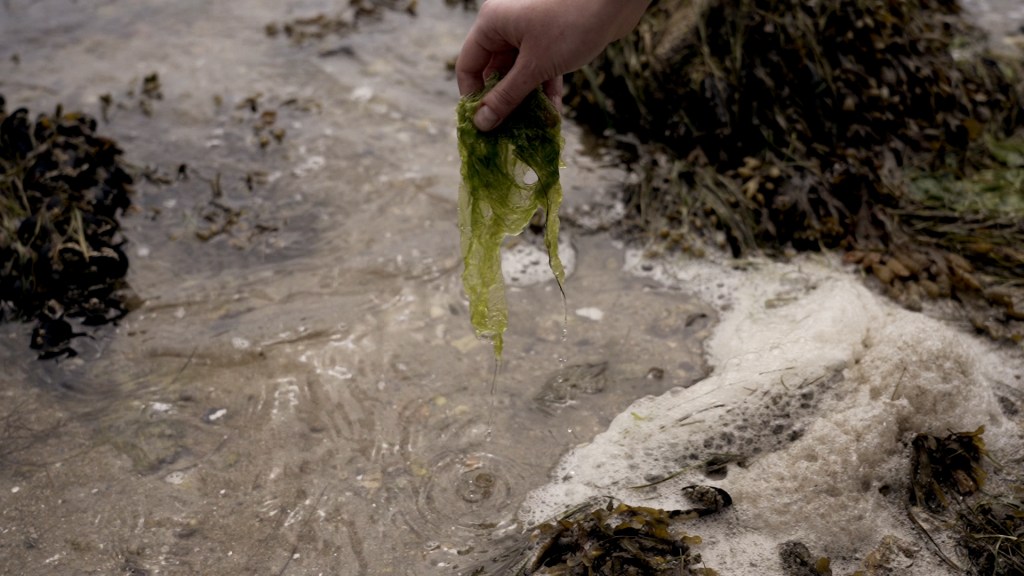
{"x": 501, "y": 99}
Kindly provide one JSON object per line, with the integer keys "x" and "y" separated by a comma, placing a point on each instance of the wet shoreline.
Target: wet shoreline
{"x": 307, "y": 398}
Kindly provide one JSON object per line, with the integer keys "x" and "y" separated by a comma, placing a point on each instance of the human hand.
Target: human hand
{"x": 533, "y": 43}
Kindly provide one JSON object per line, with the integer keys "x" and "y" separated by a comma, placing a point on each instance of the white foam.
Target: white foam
{"x": 524, "y": 263}
{"x": 821, "y": 384}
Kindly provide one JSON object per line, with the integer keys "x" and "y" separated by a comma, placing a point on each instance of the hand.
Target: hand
{"x": 533, "y": 43}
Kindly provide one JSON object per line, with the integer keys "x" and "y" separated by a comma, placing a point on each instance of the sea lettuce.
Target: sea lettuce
{"x": 498, "y": 197}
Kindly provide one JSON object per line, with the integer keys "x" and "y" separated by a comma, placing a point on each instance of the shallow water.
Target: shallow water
{"x": 301, "y": 392}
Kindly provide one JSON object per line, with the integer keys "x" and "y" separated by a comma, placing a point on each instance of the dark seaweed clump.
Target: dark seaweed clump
{"x": 614, "y": 539}
{"x": 882, "y": 129}
{"x": 948, "y": 474}
{"x": 625, "y": 541}
{"x": 946, "y": 468}
{"x": 62, "y": 189}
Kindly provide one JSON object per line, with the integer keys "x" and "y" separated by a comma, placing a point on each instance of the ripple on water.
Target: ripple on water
{"x": 467, "y": 482}
{"x": 472, "y": 490}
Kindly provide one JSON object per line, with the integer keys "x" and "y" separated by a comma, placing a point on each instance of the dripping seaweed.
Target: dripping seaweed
{"x": 498, "y": 198}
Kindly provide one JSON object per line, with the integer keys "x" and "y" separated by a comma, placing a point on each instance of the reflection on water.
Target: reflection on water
{"x": 302, "y": 392}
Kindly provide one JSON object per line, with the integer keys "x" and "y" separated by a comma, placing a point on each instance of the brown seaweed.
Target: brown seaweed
{"x": 63, "y": 189}
{"x": 855, "y": 125}
{"x": 603, "y": 537}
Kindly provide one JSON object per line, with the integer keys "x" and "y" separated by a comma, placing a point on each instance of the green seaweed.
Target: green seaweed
{"x": 498, "y": 199}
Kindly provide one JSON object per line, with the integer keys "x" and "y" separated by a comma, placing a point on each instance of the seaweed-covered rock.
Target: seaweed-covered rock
{"x": 62, "y": 190}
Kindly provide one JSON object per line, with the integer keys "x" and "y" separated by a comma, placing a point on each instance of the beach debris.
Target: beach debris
{"x": 992, "y": 534}
{"x": 892, "y": 556}
{"x": 708, "y": 499}
{"x": 797, "y": 560}
{"x": 265, "y": 115}
{"x": 141, "y": 95}
{"x": 508, "y": 174}
{"x": 317, "y": 27}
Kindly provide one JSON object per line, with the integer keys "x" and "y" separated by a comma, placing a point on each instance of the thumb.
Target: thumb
{"x": 505, "y": 96}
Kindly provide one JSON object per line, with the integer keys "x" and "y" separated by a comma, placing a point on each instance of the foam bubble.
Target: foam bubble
{"x": 817, "y": 388}
{"x": 524, "y": 263}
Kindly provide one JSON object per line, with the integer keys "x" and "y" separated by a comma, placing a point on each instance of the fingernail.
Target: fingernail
{"x": 485, "y": 119}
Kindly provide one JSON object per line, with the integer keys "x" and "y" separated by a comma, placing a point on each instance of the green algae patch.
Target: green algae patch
{"x": 508, "y": 174}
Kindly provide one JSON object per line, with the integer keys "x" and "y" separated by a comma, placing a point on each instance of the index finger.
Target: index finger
{"x": 473, "y": 59}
